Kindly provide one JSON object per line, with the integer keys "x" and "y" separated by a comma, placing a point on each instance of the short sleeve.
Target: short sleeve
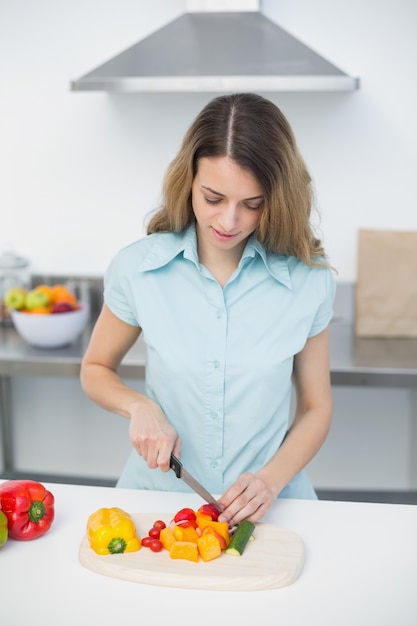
{"x": 118, "y": 294}
{"x": 327, "y": 288}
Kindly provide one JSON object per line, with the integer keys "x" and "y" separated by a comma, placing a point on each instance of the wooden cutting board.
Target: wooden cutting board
{"x": 274, "y": 559}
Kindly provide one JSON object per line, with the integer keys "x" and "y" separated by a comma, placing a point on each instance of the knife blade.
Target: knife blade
{"x": 181, "y": 472}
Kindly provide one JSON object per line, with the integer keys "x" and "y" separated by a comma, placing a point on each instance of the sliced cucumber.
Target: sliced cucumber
{"x": 241, "y": 536}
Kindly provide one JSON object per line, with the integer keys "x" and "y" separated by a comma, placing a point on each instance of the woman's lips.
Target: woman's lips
{"x": 223, "y": 236}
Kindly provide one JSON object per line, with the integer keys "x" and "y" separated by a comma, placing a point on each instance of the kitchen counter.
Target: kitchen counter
{"x": 360, "y": 568}
{"x": 353, "y": 361}
{"x": 17, "y": 358}
{"x": 372, "y": 362}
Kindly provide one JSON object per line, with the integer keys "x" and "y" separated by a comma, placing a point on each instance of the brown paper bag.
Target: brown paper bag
{"x": 386, "y": 287}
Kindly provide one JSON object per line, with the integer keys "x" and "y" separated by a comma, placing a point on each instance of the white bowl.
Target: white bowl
{"x": 50, "y": 331}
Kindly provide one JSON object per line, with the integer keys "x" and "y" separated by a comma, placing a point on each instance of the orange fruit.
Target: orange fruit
{"x": 47, "y": 290}
{"x": 40, "y": 310}
{"x": 60, "y": 293}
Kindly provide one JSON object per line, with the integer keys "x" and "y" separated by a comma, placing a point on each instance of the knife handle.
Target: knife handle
{"x": 176, "y": 465}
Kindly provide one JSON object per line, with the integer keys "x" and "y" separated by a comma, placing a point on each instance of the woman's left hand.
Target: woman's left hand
{"x": 248, "y": 498}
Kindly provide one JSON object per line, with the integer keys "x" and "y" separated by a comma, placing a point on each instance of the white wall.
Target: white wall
{"x": 79, "y": 171}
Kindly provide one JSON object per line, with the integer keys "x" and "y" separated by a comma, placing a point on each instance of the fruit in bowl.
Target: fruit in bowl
{"x": 47, "y": 316}
{"x": 15, "y": 298}
{"x": 35, "y": 299}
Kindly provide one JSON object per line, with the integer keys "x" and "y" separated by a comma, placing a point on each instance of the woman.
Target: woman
{"x": 234, "y": 295}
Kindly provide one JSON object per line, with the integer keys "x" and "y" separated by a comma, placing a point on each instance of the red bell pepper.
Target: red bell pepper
{"x": 28, "y": 506}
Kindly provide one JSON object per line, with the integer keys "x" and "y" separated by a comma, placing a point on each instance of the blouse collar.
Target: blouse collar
{"x": 167, "y": 246}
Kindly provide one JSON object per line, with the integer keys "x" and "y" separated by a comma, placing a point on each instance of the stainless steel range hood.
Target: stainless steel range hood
{"x": 209, "y": 51}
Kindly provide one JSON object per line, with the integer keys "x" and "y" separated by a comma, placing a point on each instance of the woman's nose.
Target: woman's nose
{"x": 228, "y": 217}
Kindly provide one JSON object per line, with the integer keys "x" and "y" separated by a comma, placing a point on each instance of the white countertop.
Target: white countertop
{"x": 360, "y": 570}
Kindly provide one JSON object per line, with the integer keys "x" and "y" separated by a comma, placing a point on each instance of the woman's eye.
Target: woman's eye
{"x": 253, "y": 208}
{"x": 211, "y": 201}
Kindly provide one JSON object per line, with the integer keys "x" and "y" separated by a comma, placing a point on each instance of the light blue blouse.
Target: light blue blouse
{"x": 218, "y": 361}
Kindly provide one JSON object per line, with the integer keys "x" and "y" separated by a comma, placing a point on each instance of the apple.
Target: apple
{"x": 15, "y": 298}
{"x": 62, "y": 307}
{"x": 35, "y": 298}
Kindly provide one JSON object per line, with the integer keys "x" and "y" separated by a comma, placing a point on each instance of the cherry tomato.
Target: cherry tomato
{"x": 155, "y": 545}
{"x": 146, "y": 541}
{"x": 159, "y": 524}
{"x": 154, "y": 532}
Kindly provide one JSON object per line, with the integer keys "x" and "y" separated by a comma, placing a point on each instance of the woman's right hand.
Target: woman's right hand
{"x": 151, "y": 434}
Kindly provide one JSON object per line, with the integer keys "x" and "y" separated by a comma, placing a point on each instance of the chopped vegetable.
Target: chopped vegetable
{"x": 203, "y": 519}
{"x": 209, "y": 547}
{"x": 185, "y": 534}
{"x": 209, "y": 509}
{"x": 183, "y": 515}
{"x": 167, "y": 538}
{"x": 184, "y": 550}
{"x": 222, "y": 528}
{"x": 210, "y": 530}
{"x": 112, "y": 531}
{"x": 240, "y": 538}
{"x": 29, "y": 508}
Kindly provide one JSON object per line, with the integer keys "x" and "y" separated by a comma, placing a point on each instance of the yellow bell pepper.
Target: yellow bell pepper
{"x": 184, "y": 550}
{"x": 208, "y": 547}
{"x": 222, "y": 528}
{"x": 112, "y": 531}
{"x": 166, "y": 537}
{"x": 185, "y": 534}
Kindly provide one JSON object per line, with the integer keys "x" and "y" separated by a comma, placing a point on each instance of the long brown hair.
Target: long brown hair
{"x": 253, "y": 132}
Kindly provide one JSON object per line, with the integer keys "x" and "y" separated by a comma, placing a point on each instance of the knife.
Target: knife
{"x": 181, "y": 472}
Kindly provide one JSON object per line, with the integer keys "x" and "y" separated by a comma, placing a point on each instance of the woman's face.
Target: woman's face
{"x": 227, "y": 202}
